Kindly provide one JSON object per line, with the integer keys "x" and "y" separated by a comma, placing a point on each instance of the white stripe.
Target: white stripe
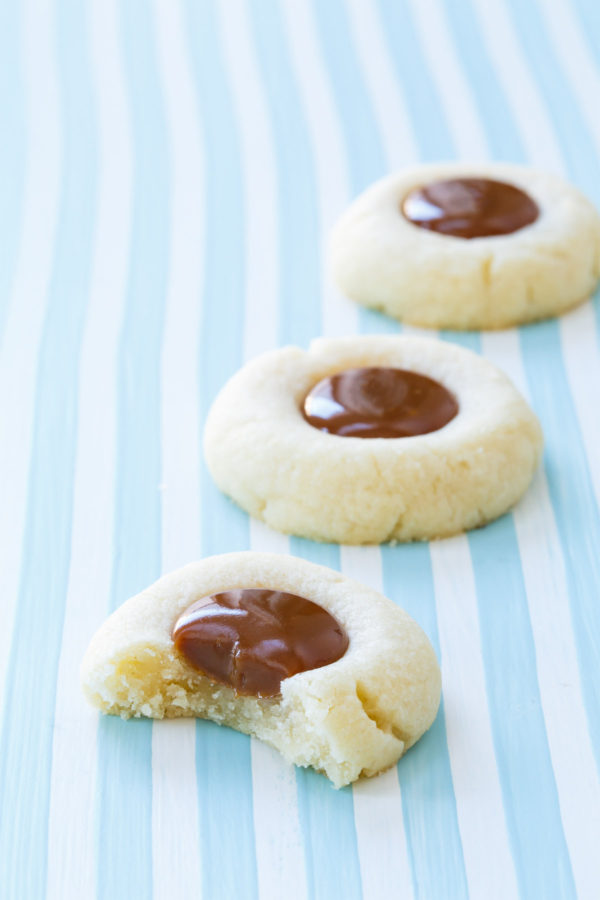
{"x": 381, "y": 839}
{"x": 176, "y": 839}
{"x": 579, "y": 65}
{"x": 71, "y": 843}
{"x": 177, "y": 851}
{"x": 488, "y": 860}
{"x": 277, "y": 831}
{"x": 25, "y": 316}
{"x": 453, "y": 87}
{"x": 180, "y": 402}
{"x": 393, "y": 121}
{"x": 522, "y": 92}
{"x": 339, "y": 315}
{"x": 382, "y": 853}
{"x": 417, "y": 331}
{"x": 265, "y": 540}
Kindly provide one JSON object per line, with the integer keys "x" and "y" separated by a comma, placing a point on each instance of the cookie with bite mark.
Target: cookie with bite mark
{"x": 329, "y": 672}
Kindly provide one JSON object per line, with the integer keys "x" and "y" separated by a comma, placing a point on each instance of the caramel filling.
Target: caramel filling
{"x": 253, "y": 638}
{"x": 378, "y": 402}
{"x": 470, "y": 207}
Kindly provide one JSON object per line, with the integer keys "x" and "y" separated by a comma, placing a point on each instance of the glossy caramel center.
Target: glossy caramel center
{"x": 470, "y": 207}
{"x": 379, "y": 402}
{"x": 251, "y": 638}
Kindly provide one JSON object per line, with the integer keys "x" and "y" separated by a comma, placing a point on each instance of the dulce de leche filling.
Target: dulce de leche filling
{"x": 470, "y": 207}
{"x": 379, "y": 402}
{"x": 253, "y": 638}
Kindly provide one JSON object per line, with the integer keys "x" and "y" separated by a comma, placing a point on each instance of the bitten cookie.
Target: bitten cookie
{"x": 372, "y": 439}
{"x": 327, "y": 671}
{"x": 468, "y": 246}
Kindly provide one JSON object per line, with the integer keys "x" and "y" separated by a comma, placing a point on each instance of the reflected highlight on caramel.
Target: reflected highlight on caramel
{"x": 251, "y": 639}
{"x": 470, "y": 207}
{"x": 379, "y": 402}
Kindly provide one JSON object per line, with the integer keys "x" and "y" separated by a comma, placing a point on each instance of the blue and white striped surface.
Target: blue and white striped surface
{"x": 169, "y": 172}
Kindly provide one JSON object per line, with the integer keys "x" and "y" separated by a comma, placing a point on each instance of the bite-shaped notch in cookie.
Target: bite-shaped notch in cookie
{"x": 327, "y": 671}
{"x": 372, "y": 439}
{"x": 468, "y": 246}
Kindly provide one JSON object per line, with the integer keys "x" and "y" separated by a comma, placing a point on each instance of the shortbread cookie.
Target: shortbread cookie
{"x": 441, "y": 443}
{"x": 468, "y": 246}
{"x": 327, "y": 671}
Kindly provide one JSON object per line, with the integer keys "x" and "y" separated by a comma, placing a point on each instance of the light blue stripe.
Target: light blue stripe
{"x": 364, "y": 150}
{"x": 428, "y": 800}
{"x": 223, "y": 763}
{"x": 425, "y": 109}
{"x": 124, "y": 809}
{"x": 299, "y": 246}
{"x": 12, "y": 148}
{"x": 326, "y": 815}
{"x": 561, "y": 104}
{"x": 26, "y": 745}
{"x": 505, "y": 142}
{"x": 365, "y": 153}
{"x": 327, "y": 822}
{"x": 432, "y": 136}
{"x": 124, "y": 801}
{"x": 587, "y": 17}
{"x": 530, "y": 797}
{"x": 590, "y": 21}
{"x": 225, "y": 806}
{"x": 318, "y": 553}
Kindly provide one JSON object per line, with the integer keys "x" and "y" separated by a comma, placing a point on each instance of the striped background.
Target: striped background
{"x": 169, "y": 172}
